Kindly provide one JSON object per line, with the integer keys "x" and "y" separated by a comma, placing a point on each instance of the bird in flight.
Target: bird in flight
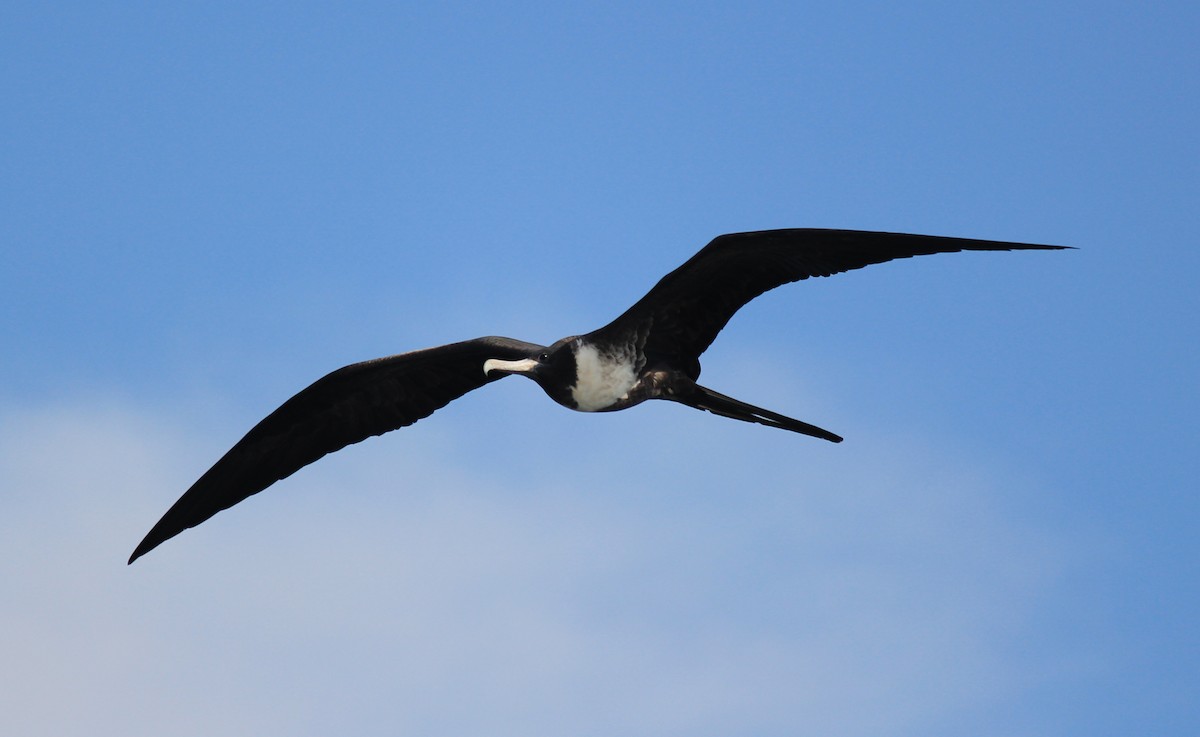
{"x": 651, "y": 351}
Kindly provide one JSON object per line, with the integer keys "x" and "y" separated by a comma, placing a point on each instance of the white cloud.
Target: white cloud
{"x": 401, "y": 587}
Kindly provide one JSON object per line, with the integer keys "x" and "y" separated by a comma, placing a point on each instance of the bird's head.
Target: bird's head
{"x": 552, "y": 368}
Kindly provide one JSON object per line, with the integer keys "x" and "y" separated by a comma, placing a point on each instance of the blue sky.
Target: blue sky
{"x": 205, "y": 206}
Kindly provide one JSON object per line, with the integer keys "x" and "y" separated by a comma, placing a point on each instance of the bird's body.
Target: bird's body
{"x": 651, "y": 351}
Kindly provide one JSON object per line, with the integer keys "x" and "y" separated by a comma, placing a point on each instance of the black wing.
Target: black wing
{"x": 347, "y": 406}
{"x": 681, "y": 316}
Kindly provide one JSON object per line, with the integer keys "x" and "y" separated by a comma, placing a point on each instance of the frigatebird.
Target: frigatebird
{"x": 652, "y": 351}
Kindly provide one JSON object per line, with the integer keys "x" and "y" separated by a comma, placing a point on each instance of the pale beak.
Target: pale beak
{"x": 523, "y": 366}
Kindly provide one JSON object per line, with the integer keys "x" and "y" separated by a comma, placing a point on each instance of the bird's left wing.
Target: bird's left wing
{"x": 682, "y": 314}
{"x": 345, "y": 407}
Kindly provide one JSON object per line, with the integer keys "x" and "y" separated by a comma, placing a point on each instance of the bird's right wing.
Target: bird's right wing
{"x": 345, "y": 407}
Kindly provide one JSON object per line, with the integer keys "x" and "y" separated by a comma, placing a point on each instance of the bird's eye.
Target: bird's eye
{"x": 543, "y": 357}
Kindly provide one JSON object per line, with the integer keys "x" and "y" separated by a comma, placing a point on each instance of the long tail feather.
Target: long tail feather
{"x": 719, "y": 404}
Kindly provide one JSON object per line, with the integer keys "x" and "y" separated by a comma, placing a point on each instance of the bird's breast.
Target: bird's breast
{"x": 603, "y": 379}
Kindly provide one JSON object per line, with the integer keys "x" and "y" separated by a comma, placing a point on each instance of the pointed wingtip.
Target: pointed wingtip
{"x": 137, "y": 553}
{"x": 145, "y": 546}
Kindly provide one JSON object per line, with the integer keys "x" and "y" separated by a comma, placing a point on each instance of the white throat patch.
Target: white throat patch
{"x": 602, "y": 379}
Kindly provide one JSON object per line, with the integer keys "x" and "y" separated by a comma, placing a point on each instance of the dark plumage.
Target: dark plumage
{"x": 651, "y": 351}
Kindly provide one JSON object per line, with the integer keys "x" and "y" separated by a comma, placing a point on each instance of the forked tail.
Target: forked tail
{"x": 719, "y": 404}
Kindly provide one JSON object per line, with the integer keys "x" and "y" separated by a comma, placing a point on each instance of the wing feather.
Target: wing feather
{"x": 681, "y": 316}
{"x": 347, "y": 406}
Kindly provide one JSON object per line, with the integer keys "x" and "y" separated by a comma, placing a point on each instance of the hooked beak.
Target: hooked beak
{"x": 523, "y": 366}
